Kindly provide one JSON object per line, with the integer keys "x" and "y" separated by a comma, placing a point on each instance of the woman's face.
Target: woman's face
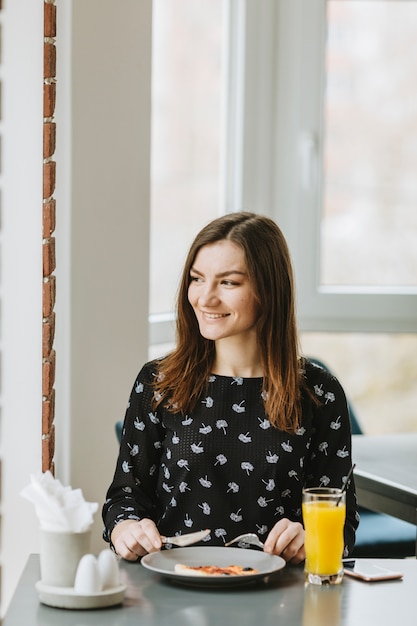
{"x": 221, "y": 294}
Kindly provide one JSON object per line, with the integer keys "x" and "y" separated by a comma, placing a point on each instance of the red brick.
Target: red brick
{"x": 49, "y": 174}
{"x": 48, "y": 449}
{"x": 48, "y": 296}
{"x": 48, "y": 413}
{"x": 49, "y": 60}
{"x": 49, "y": 139}
{"x": 49, "y": 99}
{"x": 49, "y": 257}
{"x": 49, "y": 218}
{"x": 48, "y": 374}
{"x": 49, "y": 23}
{"x": 48, "y": 334}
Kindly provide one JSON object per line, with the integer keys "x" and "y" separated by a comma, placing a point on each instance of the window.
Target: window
{"x": 378, "y": 372}
{"x": 344, "y": 113}
{"x": 212, "y": 145}
{"x": 369, "y": 218}
{"x": 187, "y": 123}
{"x": 318, "y": 130}
{"x": 346, "y": 193}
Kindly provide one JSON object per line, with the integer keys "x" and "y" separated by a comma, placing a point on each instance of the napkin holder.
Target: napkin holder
{"x": 60, "y": 553}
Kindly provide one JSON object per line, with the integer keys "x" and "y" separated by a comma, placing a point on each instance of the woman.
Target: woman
{"x": 224, "y": 432}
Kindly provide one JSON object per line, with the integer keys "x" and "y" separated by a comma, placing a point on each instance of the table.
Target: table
{"x": 283, "y": 598}
{"x": 386, "y": 473}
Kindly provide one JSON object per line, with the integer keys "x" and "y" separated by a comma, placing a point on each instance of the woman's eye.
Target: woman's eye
{"x": 195, "y": 279}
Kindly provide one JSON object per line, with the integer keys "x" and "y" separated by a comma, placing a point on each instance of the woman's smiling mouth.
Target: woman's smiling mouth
{"x": 214, "y": 316}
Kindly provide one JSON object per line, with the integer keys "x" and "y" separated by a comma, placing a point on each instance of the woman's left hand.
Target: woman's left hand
{"x": 286, "y": 539}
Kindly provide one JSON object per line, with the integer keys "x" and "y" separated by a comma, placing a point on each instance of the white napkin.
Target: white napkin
{"x": 59, "y": 508}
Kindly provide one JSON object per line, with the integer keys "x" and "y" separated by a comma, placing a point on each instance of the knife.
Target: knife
{"x": 187, "y": 539}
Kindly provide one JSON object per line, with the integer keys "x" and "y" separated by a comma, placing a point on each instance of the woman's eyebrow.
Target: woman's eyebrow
{"x": 221, "y": 274}
{"x": 228, "y": 272}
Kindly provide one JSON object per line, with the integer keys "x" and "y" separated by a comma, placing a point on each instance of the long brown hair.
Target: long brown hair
{"x": 185, "y": 371}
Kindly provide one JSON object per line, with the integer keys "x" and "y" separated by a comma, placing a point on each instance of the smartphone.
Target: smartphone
{"x": 371, "y": 571}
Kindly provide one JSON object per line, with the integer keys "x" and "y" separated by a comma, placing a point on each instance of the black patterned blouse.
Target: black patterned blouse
{"x": 224, "y": 466}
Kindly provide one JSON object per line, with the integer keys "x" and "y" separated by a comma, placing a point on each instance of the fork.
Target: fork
{"x": 249, "y": 538}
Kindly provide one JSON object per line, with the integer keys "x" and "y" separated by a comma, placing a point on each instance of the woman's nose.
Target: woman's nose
{"x": 208, "y": 296}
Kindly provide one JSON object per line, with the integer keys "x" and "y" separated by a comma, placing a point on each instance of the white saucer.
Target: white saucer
{"x": 66, "y": 598}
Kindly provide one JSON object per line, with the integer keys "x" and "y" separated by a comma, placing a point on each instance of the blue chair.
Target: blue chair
{"x": 378, "y": 534}
{"x": 119, "y": 428}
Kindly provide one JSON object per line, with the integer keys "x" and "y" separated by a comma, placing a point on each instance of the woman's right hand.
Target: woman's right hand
{"x": 132, "y": 539}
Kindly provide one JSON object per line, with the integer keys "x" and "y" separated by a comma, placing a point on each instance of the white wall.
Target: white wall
{"x": 103, "y": 147}
{"x": 22, "y": 162}
{"x": 103, "y": 160}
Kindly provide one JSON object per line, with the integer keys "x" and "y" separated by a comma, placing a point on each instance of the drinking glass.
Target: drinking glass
{"x": 324, "y": 512}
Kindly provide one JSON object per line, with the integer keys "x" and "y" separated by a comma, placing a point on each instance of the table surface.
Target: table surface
{"x": 282, "y": 598}
{"x": 386, "y": 473}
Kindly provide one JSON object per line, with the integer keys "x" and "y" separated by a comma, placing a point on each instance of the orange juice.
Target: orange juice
{"x": 324, "y": 513}
{"x": 323, "y": 523}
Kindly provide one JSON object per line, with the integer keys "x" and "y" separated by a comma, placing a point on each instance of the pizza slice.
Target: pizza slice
{"x": 214, "y": 570}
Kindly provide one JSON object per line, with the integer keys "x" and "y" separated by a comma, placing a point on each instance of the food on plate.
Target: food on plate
{"x": 214, "y": 570}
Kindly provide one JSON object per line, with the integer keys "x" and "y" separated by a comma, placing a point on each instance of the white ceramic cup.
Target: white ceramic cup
{"x": 60, "y": 553}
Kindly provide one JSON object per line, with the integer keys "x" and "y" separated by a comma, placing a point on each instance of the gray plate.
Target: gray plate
{"x": 164, "y": 563}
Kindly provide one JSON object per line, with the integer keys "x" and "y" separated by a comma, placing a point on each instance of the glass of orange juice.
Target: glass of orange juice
{"x": 324, "y": 513}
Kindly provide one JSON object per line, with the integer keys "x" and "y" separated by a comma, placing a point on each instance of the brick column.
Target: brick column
{"x": 49, "y": 167}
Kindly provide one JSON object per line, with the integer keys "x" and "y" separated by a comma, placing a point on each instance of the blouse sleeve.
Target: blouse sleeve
{"x": 330, "y": 455}
{"x": 131, "y": 494}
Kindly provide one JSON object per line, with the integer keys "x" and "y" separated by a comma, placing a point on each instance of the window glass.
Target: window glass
{"x": 187, "y": 78}
{"x": 369, "y": 221}
{"x": 378, "y": 373}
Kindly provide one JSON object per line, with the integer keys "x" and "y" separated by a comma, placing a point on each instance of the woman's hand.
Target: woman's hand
{"x": 132, "y": 539}
{"x": 286, "y": 539}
